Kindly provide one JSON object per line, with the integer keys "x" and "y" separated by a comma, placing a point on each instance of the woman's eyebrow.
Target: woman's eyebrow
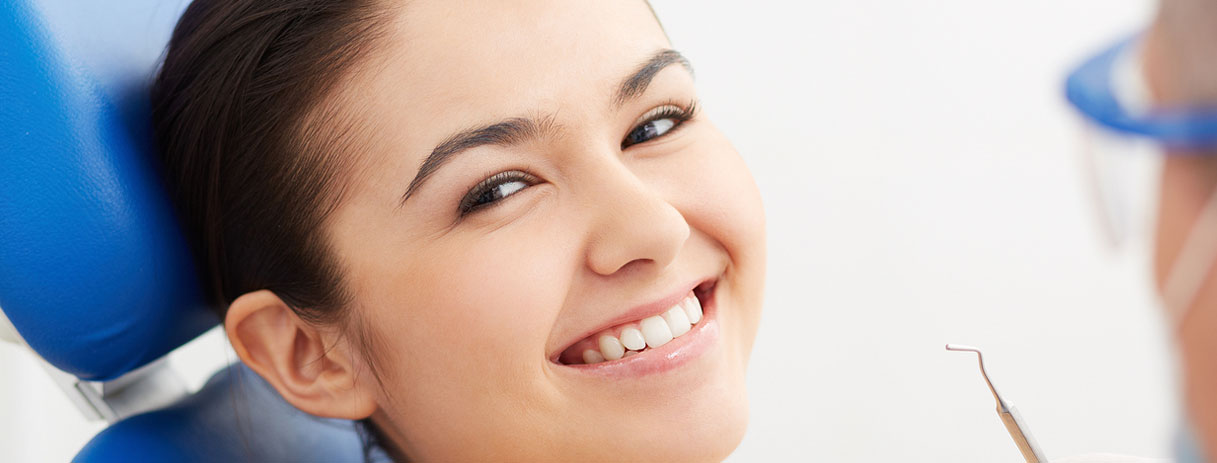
{"x": 504, "y": 133}
{"x": 637, "y": 83}
{"x": 517, "y": 130}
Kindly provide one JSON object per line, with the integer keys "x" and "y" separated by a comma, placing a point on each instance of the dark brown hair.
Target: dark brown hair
{"x": 254, "y": 151}
{"x": 247, "y": 141}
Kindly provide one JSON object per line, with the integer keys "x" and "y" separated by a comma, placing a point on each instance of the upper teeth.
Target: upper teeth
{"x": 649, "y": 332}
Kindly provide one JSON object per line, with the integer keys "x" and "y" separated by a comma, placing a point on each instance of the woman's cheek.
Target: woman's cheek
{"x": 494, "y": 295}
{"x": 722, "y": 201}
{"x": 720, "y": 198}
{"x": 468, "y": 321}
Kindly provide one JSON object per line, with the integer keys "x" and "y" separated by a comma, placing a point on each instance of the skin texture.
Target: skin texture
{"x": 1186, "y": 185}
{"x": 1181, "y": 68}
{"x": 453, "y": 319}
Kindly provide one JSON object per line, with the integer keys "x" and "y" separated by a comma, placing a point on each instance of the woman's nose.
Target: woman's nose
{"x": 633, "y": 225}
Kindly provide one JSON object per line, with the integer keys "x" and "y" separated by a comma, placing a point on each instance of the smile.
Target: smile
{"x": 665, "y": 335}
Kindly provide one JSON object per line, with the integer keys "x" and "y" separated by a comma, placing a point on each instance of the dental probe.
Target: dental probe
{"x": 1008, "y": 414}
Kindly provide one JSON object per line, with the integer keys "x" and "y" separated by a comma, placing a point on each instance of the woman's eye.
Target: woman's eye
{"x": 649, "y": 130}
{"x": 660, "y": 122}
{"x": 494, "y": 189}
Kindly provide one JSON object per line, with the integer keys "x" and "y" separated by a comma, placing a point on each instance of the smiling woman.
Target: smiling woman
{"x": 489, "y": 229}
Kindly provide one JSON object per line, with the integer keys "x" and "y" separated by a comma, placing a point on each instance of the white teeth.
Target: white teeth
{"x": 677, "y": 320}
{"x": 633, "y": 339}
{"x": 692, "y": 309}
{"x": 591, "y": 356}
{"x": 650, "y": 332}
{"x": 611, "y": 347}
{"x": 656, "y": 331}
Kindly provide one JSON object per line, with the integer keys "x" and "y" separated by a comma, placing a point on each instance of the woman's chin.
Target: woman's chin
{"x": 701, "y": 419}
{"x": 708, "y": 433}
{"x": 714, "y": 438}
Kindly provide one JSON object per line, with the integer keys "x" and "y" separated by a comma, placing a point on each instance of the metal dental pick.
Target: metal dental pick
{"x": 1009, "y": 416}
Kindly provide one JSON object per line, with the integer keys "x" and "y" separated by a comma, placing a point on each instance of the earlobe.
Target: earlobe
{"x": 311, "y": 366}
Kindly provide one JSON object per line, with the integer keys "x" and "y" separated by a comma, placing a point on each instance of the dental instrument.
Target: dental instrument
{"x": 1009, "y": 416}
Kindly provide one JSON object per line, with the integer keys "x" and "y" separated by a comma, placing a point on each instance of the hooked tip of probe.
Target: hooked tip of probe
{"x": 980, "y": 358}
{"x": 962, "y": 348}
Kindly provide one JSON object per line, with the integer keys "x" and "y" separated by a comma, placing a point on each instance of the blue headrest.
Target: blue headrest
{"x": 236, "y": 417}
{"x": 94, "y": 272}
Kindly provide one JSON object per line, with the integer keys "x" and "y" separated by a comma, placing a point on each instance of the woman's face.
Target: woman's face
{"x": 530, "y": 185}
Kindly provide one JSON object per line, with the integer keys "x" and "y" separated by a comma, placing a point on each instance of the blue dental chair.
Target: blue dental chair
{"x": 95, "y": 276}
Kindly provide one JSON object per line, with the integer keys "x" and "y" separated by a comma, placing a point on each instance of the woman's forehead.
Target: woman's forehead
{"x": 445, "y": 66}
{"x": 468, "y": 59}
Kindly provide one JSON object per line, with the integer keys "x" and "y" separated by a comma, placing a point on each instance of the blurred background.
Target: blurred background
{"x": 924, "y": 185}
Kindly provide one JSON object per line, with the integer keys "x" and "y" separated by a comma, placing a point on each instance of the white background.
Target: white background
{"x": 923, "y": 185}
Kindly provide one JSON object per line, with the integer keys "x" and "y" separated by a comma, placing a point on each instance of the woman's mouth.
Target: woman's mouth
{"x": 635, "y": 340}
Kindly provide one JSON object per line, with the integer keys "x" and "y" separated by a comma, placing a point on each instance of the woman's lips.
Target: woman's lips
{"x": 652, "y": 344}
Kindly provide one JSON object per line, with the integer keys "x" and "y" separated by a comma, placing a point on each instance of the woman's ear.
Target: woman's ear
{"x": 312, "y": 367}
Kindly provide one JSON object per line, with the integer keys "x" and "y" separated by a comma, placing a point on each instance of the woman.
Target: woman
{"x": 489, "y": 229}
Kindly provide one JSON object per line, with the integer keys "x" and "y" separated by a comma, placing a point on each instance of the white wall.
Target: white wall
{"x": 923, "y": 186}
